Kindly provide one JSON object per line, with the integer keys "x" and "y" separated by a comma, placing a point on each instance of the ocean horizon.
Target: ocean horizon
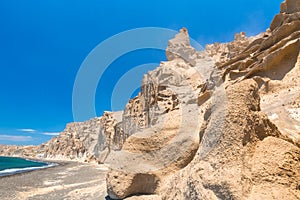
{"x": 15, "y": 165}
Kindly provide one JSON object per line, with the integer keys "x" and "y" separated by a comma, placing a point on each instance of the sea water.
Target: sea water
{"x": 13, "y": 165}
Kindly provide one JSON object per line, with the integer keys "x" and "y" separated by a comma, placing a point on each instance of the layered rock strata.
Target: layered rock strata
{"x": 223, "y": 123}
{"x": 241, "y": 136}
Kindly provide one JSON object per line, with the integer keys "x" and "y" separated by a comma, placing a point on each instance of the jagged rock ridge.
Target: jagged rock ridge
{"x": 248, "y": 140}
{"x": 218, "y": 124}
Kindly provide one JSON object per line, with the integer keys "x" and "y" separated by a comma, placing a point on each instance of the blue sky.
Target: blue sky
{"x": 43, "y": 43}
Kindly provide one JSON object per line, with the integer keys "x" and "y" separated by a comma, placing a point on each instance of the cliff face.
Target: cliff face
{"x": 166, "y": 135}
{"x": 223, "y": 123}
{"x": 218, "y": 124}
{"x": 91, "y": 140}
{"x": 250, "y": 160}
{"x": 23, "y": 151}
{"x": 71, "y": 143}
{"x": 88, "y": 141}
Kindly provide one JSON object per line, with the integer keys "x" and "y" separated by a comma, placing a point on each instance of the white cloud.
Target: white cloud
{"x": 28, "y": 130}
{"x": 51, "y": 133}
{"x": 15, "y": 138}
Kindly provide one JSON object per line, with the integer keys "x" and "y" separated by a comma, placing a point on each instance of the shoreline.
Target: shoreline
{"x": 16, "y": 170}
{"x": 67, "y": 180}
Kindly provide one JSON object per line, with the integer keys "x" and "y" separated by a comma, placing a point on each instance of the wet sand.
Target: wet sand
{"x": 68, "y": 180}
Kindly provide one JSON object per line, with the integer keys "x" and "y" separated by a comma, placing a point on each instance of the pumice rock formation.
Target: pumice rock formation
{"x": 222, "y": 123}
{"x": 168, "y": 101}
{"x": 91, "y": 140}
{"x": 219, "y": 124}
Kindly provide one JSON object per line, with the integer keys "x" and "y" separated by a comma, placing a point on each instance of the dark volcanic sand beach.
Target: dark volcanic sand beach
{"x": 69, "y": 180}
